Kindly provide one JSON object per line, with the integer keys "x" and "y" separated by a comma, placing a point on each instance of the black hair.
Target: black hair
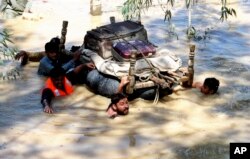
{"x": 116, "y": 98}
{"x": 55, "y": 40}
{"x": 212, "y": 83}
{"x": 57, "y": 71}
{"x": 51, "y": 47}
{"x": 75, "y": 48}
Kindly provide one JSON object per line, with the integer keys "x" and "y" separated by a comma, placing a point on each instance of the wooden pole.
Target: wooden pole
{"x": 112, "y": 19}
{"x": 131, "y": 84}
{"x": 63, "y": 36}
{"x": 191, "y": 66}
{"x": 95, "y": 7}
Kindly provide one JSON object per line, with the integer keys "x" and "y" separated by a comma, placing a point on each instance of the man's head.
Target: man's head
{"x": 52, "y": 50}
{"x": 119, "y": 105}
{"x": 55, "y": 40}
{"x": 57, "y": 75}
{"x": 210, "y": 86}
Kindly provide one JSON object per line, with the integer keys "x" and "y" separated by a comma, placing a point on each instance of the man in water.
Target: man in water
{"x": 118, "y": 106}
{"x": 56, "y": 85}
{"x": 209, "y": 86}
{"x": 76, "y": 71}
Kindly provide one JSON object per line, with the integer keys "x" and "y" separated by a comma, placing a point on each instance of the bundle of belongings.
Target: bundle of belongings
{"x": 122, "y": 49}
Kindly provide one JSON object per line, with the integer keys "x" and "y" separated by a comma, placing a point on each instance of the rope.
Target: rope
{"x": 157, "y": 96}
{"x": 152, "y": 69}
{"x": 149, "y": 63}
{"x": 145, "y": 76}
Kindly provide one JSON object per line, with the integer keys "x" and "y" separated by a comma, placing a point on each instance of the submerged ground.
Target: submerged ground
{"x": 184, "y": 125}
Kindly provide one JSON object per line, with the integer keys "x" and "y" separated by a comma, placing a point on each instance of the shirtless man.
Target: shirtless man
{"x": 209, "y": 86}
{"x": 118, "y": 106}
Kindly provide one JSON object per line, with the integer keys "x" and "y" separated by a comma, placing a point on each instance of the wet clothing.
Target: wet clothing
{"x": 46, "y": 65}
{"x": 47, "y": 95}
{"x": 67, "y": 63}
{"x": 106, "y": 85}
{"x": 102, "y": 84}
{"x": 50, "y": 91}
{"x": 68, "y": 88}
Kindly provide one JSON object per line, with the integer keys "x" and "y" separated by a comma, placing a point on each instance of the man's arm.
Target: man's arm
{"x": 25, "y": 56}
{"x": 124, "y": 81}
{"x": 88, "y": 66}
{"x": 46, "y": 99}
{"x": 36, "y": 56}
{"x": 45, "y": 66}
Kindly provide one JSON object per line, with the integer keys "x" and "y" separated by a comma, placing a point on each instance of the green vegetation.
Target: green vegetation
{"x": 225, "y": 11}
{"x": 5, "y": 50}
{"x": 9, "y": 69}
{"x": 133, "y": 8}
{"x": 13, "y": 7}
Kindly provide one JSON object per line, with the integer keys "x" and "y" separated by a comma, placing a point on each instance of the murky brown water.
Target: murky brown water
{"x": 185, "y": 125}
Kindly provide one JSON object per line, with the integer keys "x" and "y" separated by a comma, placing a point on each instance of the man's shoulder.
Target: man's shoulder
{"x": 45, "y": 59}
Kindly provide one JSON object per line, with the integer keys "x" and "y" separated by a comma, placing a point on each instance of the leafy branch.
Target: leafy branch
{"x": 5, "y": 38}
{"x": 8, "y": 5}
{"x": 168, "y": 13}
{"x": 225, "y": 11}
{"x": 133, "y": 8}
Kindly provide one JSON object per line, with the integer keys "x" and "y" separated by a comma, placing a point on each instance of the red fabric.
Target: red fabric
{"x": 57, "y": 92}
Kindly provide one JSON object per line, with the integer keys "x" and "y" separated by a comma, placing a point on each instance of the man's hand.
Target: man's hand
{"x": 48, "y": 109}
{"x": 124, "y": 81}
{"x": 90, "y": 65}
{"x": 23, "y": 55}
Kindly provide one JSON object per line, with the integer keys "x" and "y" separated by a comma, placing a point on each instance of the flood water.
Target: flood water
{"x": 184, "y": 125}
